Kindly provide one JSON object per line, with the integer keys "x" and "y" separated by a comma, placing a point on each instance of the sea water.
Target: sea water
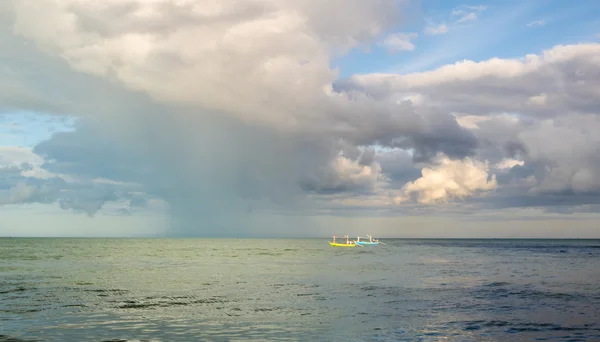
{"x": 300, "y": 290}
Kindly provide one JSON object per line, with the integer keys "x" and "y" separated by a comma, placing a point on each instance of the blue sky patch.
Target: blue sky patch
{"x": 27, "y": 129}
{"x": 444, "y": 32}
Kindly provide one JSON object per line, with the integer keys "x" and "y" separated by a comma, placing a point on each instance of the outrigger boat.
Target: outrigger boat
{"x": 371, "y": 242}
{"x": 347, "y": 244}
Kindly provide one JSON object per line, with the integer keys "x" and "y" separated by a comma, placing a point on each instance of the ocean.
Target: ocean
{"x": 59, "y": 289}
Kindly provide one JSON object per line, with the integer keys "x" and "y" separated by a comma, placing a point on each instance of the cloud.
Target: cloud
{"x": 343, "y": 175}
{"x": 467, "y": 13}
{"x": 556, "y": 74}
{"x": 258, "y": 53}
{"x": 25, "y": 178}
{"x": 476, "y": 8}
{"x": 509, "y": 163}
{"x": 434, "y": 30}
{"x": 462, "y": 9}
{"x": 516, "y": 108}
{"x": 400, "y": 41}
{"x": 448, "y": 179}
{"x": 537, "y": 23}
{"x": 573, "y": 166}
{"x": 467, "y": 17}
{"x": 15, "y": 156}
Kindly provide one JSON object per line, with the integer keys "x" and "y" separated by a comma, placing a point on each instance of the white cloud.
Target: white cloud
{"x": 477, "y": 8}
{"x": 348, "y": 175}
{"x": 21, "y": 192}
{"x": 495, "y": 69}
{"x": 463, "y": 9}
{"x": 415, "y": 99}
{"x": 537, "y": 23}
{"x": 470, "y": 14}
{"x": 538, "y": 100}
{"x": 258, "y": 53}
{"x": 400, "y": 41}
{"x": 449, "y": 179}
{"x": 508, "y": 163}
{"x": 15, "y": 156}
{"x": 351, "y": 172}
{"x": 433, "y": 30}
{"x": 471, "y": 121}
{"x": 467, "y": 17}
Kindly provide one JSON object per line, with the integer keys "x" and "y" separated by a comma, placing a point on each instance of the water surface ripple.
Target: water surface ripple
{"x": 298, "y": 290}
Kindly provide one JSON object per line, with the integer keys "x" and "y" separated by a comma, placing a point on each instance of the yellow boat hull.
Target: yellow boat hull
{"x": 341, "y": 244}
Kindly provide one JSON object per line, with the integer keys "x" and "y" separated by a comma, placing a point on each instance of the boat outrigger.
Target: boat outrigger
{"x": 371, "y": 242}
{"x": 347, "y": 244}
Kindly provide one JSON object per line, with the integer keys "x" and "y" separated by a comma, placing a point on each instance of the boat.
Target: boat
{"x": 371, "y": 242}
{"x": 347, "y": 244}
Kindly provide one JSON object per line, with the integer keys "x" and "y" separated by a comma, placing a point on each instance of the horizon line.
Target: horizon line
{"x": 294, "y": 238}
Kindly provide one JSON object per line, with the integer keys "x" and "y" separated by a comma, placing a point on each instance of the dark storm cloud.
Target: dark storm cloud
{"x": 398, "y": 166}
{"x": 402, "y": 125}
{"x": 92, "y": 156}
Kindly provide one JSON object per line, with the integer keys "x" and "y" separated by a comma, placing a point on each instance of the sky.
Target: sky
{"x": 286, "y": 118}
